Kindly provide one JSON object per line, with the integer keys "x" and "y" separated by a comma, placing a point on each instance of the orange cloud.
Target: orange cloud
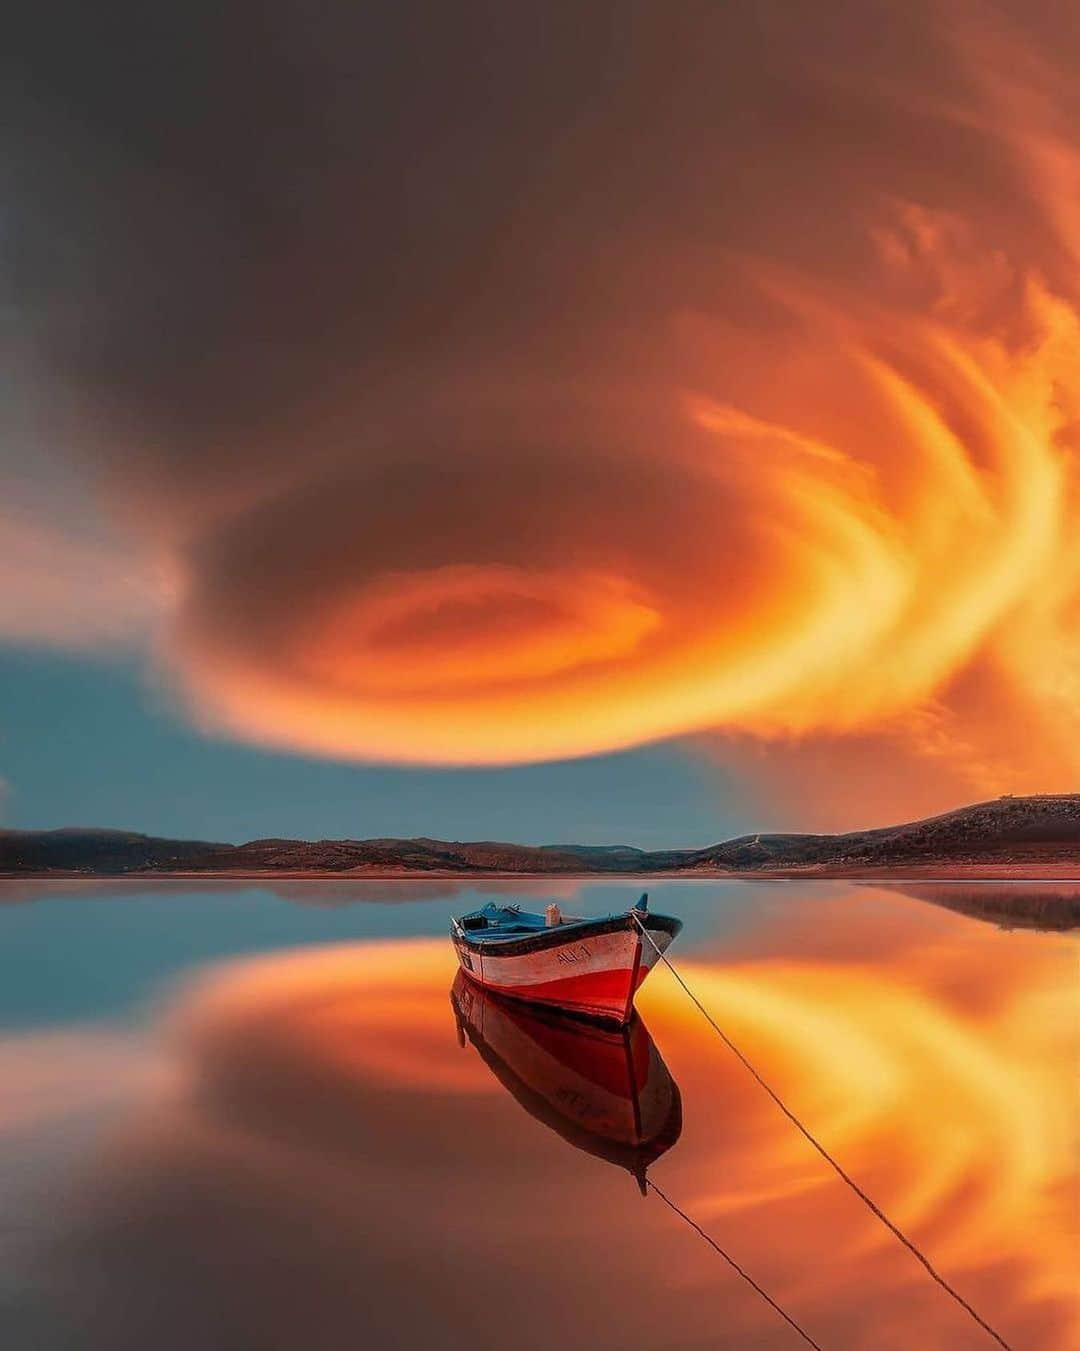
{"x": 900, "y": 511}
{"x": 739, "y": 397}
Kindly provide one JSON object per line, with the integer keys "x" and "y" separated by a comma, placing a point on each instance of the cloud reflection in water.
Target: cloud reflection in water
{"x": 322, "y": 1165}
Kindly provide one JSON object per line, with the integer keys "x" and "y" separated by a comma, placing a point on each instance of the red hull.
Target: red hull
{"x": 594, "y": 969}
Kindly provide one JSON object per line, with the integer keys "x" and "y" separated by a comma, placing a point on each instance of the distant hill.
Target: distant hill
{"x": 1009, "y": 832}
{"x": 86, "y": 849}
{"x": 420, "y": 855}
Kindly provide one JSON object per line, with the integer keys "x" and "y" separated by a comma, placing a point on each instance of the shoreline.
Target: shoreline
{"x": 925, "y": 872}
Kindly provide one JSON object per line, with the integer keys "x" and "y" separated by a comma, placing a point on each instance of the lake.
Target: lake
{"x": 241, "y": 1117}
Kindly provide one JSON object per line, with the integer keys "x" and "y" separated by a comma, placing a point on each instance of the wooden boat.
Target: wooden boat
{"x": 591, "y": 967}
{"x": 604, "y": 1090}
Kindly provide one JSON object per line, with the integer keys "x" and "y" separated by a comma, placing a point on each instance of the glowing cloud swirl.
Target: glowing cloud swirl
{"x": 722, "y": 383}
{"x": 899, "y": 505}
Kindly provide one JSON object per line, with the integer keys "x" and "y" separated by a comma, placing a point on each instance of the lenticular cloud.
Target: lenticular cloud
{"x": 896, "y": 508}
{"x": 554, "y": 397}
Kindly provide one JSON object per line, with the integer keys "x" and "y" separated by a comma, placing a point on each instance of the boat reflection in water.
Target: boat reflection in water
{"x": 605, "y": 1090}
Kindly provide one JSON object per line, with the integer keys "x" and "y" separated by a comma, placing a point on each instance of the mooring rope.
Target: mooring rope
{"x": 733, "y": 1264}
{"x": 844, "y": 1176}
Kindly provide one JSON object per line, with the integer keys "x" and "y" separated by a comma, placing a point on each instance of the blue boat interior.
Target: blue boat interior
{"x": 510, "y": 921}
{"x": 501, "y": 921}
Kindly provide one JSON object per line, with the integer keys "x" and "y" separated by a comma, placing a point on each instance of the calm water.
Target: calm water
{"x": 237, "y": 1118}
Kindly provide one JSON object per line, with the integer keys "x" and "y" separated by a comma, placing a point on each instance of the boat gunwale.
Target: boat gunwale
{"x": 518, "y": 945}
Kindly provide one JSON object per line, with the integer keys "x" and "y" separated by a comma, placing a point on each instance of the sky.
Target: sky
{"x": 608, "y": 421}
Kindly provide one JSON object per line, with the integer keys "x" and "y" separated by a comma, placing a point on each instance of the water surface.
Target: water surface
{"x": 241, "y": 1118}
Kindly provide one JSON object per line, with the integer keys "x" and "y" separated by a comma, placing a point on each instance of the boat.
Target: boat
{"x": 604, "y": 1090}
{"x": 589, "y": 967}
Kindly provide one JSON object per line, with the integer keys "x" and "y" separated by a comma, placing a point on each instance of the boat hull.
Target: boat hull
{"x": 592, "y": 969}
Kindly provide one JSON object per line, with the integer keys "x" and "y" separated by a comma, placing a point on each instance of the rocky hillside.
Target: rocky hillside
{"x": 1006, "y": 831}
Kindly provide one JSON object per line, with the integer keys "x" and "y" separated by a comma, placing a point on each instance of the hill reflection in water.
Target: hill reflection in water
{"x": 294, "y": 1151}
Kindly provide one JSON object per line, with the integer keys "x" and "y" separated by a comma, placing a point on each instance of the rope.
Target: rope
{"x": 829, "y": 1159}
{"x": 733, "y": 1264}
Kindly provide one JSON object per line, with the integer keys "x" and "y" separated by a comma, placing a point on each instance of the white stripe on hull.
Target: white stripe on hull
{"x": 608, "y": 952}
{"x": 606, "y": 957}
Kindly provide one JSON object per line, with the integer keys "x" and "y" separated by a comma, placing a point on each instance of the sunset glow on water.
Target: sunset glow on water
{"x": 536, "y": 452}
{"x": 293, "y": 1139}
